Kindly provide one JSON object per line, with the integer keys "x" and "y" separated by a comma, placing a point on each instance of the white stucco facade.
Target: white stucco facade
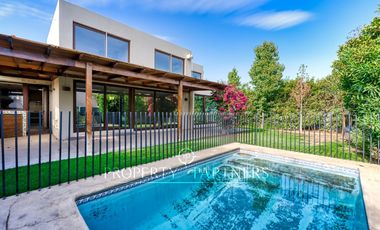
{"x": 142, "y": 45}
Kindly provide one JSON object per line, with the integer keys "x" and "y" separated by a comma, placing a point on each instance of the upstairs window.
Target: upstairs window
{"x": 117, "y": 48}
{"x": 177, "y": 65}
{"x": 100, "y": 43}
{"x": 168, "y": 62}
{"x": 162, "y": 61}
{"x": 195, "y": 74}
{"x": 89, "y": 40}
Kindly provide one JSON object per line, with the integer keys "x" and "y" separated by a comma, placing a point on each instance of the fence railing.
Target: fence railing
{"x": 60, "y": 151}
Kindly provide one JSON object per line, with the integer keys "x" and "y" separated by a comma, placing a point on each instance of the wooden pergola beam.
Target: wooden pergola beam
{"x": 198, "y": 86}
{"x": 38, "y": 54}
{"x": 78, "y": 64}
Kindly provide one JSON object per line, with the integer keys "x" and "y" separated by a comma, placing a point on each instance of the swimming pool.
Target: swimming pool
{"x": 244, "y": 190}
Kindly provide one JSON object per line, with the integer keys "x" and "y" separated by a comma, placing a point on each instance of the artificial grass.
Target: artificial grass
{"x": 302, "y": 143}
{"x": 84, "y": 167}
{"x": 58, "y": 172}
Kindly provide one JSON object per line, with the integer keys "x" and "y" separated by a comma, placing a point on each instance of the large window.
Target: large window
{"x": 162, "y": 61}
{"x": 166, "y": 102}
{"x": 204, "y": 104}
{"x": 196, "y": 75}
{"x": 177, "y": 65}
{"x": 98, "y": 109}
{"x": 117, "y": 48}
{"x": 168, "y": 62}
{"x": 89, "y": 40}
{"x": 100, "y": 43}
{"x": 109, "y": 104}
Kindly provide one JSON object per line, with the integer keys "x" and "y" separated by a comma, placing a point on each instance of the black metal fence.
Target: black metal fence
{"x": 118, "y": 140}
{"x": 344, "y": 136}
{"x": 60, "y": 152}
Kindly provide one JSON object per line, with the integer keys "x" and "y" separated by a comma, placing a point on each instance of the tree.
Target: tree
{"x": 357, "y": 67}
{"x": 284, "y": 103}
{"x": 230, "y": 100}
{"x": 325, "y": 96}
{"x": 301, "y": 91}
{"x": 234, "y": 78}
{"x": 266, "y": 73}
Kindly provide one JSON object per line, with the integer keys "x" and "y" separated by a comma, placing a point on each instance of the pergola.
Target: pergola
{"x": 23, "y": 58}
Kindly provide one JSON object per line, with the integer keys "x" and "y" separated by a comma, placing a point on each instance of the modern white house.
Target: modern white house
{"x": 77, "y": 28}
{"x": 127, "y": 69}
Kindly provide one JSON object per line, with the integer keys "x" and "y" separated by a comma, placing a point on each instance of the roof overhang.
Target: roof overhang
{"x": 29, "y": 59}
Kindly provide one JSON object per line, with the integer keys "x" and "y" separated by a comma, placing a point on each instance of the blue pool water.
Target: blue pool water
{"x": 236, "y": 191}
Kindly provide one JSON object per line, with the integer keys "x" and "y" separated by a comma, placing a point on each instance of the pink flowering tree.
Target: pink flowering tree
{"x": 230, "y": 100}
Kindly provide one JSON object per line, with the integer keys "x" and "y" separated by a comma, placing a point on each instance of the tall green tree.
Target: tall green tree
{"x": 325, "y": 96}
{"x": 266, "y": 73}
{"x": 358, "y": 68}
{"x": 234, "y": 78}
{"x": 284, "y": 103}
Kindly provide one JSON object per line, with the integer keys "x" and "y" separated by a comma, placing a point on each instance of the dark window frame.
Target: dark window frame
{"x": 121, "y": 39}
{"x": 91, "y": 29}
{"x": 165, "y": 53}
{"x": 131, "y": 96}
{"x": 200, "y": 74}
{"x": 106, "y": 39}
{"x": 170, "y": 61}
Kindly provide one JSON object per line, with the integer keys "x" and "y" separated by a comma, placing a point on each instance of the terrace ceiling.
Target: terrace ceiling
{"x": 29, "y": 59}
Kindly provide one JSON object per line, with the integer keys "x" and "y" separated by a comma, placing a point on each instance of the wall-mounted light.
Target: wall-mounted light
{"x": 189, "y": 56}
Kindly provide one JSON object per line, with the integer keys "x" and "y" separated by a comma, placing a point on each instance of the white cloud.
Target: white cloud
{"x": 276, "y": 20}
{"x": 19, "y": 9}
{"x": 200, "y": 6}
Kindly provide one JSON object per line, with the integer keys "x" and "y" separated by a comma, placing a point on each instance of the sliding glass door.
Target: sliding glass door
{"x": 117, "y": 101}
{"x": 98, "y": 102}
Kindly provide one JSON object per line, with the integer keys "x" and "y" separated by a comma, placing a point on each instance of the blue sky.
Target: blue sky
{"x": 222, "y": 34}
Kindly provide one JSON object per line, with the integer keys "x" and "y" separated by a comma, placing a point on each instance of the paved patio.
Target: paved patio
{"x": 55, "y": 208}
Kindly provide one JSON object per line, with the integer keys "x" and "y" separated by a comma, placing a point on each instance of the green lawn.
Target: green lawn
{"x": 82, "y": 167}
{"x": 301, "y": 143}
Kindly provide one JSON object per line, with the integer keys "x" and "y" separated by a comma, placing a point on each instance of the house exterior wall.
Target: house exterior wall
{"x": 62, "y": 101}
{"x": 142, "y": 45}
{"x": 142, "y": 52}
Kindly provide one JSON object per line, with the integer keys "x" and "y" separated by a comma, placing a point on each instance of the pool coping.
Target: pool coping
{"x": 56, "y": 208}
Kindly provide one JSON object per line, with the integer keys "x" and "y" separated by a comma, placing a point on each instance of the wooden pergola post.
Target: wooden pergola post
{"x": 89, "y": 106}
{"x": 179, "y": 108}
{"x": 25, "y": 94}
{"x": 191, "y": 102}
